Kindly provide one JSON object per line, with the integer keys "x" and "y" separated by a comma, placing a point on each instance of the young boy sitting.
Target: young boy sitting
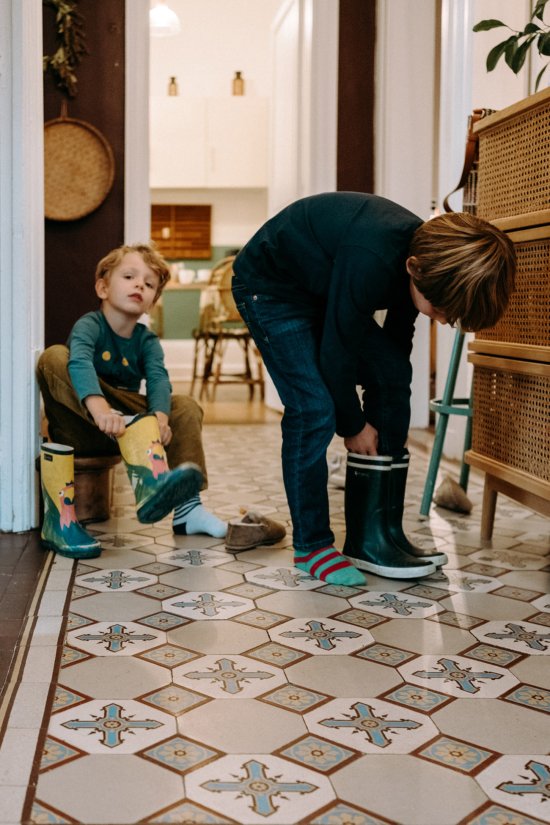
{"x": 91, "y": 386}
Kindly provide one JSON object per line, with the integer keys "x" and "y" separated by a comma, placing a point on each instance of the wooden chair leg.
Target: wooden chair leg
{"x": 217, "y": 362}
{"x": 247, "y": 369}
{"x": 488, "y": 508}
{"x": 198, "y": 341}
{"x": 210, "y": 342}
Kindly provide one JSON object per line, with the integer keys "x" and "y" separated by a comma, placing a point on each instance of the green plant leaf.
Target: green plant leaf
{"x": 485, "y": 25}
{"x": 510, "y": 52}
{"x": 495, "y": 54}
{"x": 518, "y": 58}
{"x": 530, "y": 28}
{"x": 539, "y": 76}
{"x": 544, "y": 44}
{"x": 538, "y": 11}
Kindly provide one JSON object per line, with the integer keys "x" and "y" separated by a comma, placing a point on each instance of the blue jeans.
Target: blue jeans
{"x": 288, "y": 336}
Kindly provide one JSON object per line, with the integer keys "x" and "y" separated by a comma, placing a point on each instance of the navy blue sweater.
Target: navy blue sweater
{"x": 344, "y": 254}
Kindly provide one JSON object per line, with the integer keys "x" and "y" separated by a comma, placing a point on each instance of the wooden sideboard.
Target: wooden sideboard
{"x": 511, "y": 383}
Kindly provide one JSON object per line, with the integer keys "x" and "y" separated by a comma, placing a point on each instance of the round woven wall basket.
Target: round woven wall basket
{"x": 79, "y": 169}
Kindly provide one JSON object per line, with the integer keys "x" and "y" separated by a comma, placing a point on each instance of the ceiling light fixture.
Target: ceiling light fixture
{"x": 163, "y": 22}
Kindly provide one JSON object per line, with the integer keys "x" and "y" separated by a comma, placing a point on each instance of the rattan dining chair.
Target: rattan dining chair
{"x": 220, "y": 324}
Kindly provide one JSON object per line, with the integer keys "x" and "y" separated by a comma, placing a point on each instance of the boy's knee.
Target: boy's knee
{"x": 185, "y": 408}
{"x": 54, "y": 359}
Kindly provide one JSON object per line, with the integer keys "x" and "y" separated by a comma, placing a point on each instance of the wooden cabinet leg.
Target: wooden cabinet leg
{"x": 488, "y": 508}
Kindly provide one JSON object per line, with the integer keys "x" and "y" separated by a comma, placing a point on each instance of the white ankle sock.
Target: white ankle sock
{"x": 191, "y": 518}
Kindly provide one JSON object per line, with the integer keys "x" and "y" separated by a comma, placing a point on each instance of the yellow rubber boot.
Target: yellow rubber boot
{"x": 157, "y": 489}
{"x": 61, "y": 531}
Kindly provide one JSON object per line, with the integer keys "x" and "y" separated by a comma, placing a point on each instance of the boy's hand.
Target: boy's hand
{"x": 364, "y": 443}
{"x": 164, "y": 427}
{"x": 110, "y": 423}
{"x": 106, "y": 419}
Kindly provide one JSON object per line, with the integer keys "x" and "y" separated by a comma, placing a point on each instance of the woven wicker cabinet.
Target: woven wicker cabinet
{"x": 511, "y": 386}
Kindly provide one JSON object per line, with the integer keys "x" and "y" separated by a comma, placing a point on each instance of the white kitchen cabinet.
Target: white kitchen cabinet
{"x": 177, "y": 135}
{"x": 211, "y": 143}
{"x": 236, "y": 134}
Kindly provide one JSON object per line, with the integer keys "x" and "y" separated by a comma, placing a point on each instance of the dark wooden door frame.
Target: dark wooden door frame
{"x": 356, "y": 82}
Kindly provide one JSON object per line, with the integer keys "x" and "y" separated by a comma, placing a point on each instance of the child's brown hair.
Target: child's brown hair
{"x": 465, "y": 267}
{"x": 148, "y": 252}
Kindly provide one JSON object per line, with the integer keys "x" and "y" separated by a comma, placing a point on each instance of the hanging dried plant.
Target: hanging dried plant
{"x": 70, "y": 45}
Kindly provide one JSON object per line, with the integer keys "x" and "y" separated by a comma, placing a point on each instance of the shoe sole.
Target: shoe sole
{"x": 235, "y": 549}
{"x": 92, "y": 553}
{"x": 182, "y": 483}
{"x": 439, "y": 559}
{"x": 393, "y": 572}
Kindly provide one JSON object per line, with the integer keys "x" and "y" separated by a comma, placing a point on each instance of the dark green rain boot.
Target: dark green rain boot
{"x": 61, "y": 531}
{"x": 368, "y": 544}
{"x": 157, "y": 489}
{"x": 396, "y": 508}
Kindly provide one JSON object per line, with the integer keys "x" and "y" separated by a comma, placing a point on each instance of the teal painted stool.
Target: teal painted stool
{"x": 444, "y": 407}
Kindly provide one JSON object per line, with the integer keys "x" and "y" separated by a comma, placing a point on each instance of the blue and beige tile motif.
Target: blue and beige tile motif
{"x": 168, "y": 655}
{"x": 283, "y": 578}
{"x": 519, "y": 636}
{"x": 207, "y": 606}
{"x": 187, "y": 812}
{"x": 115, "y": 638}
{"x": 194, "y": 558}
{"x": 179, "y": 754}
{"x": 57, "y": 753}
{"x": 493, "y": 655}
{"x": 318, "y": 753}
{"x": 66, "y": 698}
{"x": 453, "y": 753}
{"x": 530, "y": 696}
{"x": 259, "y": 788}
{"x": 174, "y": 699}
{"x": 497, "y": 815}
{"x": 460, "y": 582}
{"x": 105, "y": 581}
{"x": 371, "y": 725}
{"x": 396, "y": 605}
{"x": 343, "y": 814}
{"x": 417, "y": 697}
{"x": 228, "y": 677}
{"x": 458, "y": 676}
{"x": 276, "y": 654}
{"x": 295, "y": 698}
{"x": 519, "y": 782}
{"x": 163, "y": 620}
{"x": 510, "y": 559}
{"x": 100, "y": 726}
{"x": 385, "y": 655}
{"x": 322, "y": 636}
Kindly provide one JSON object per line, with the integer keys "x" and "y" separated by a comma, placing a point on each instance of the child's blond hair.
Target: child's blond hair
{"x": 465, "y": 267}
{"x": 148, "y": 252}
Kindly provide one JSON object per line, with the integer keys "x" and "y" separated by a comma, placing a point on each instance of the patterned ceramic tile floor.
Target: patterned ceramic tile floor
{"x": 171, "y": 682}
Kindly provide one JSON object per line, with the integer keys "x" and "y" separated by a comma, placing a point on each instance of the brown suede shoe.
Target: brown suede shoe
{"x": 253, "y": 530}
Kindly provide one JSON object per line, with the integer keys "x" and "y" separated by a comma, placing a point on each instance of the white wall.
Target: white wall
{"x": 404, "y": 138}
{"x": 217, "y": 38}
